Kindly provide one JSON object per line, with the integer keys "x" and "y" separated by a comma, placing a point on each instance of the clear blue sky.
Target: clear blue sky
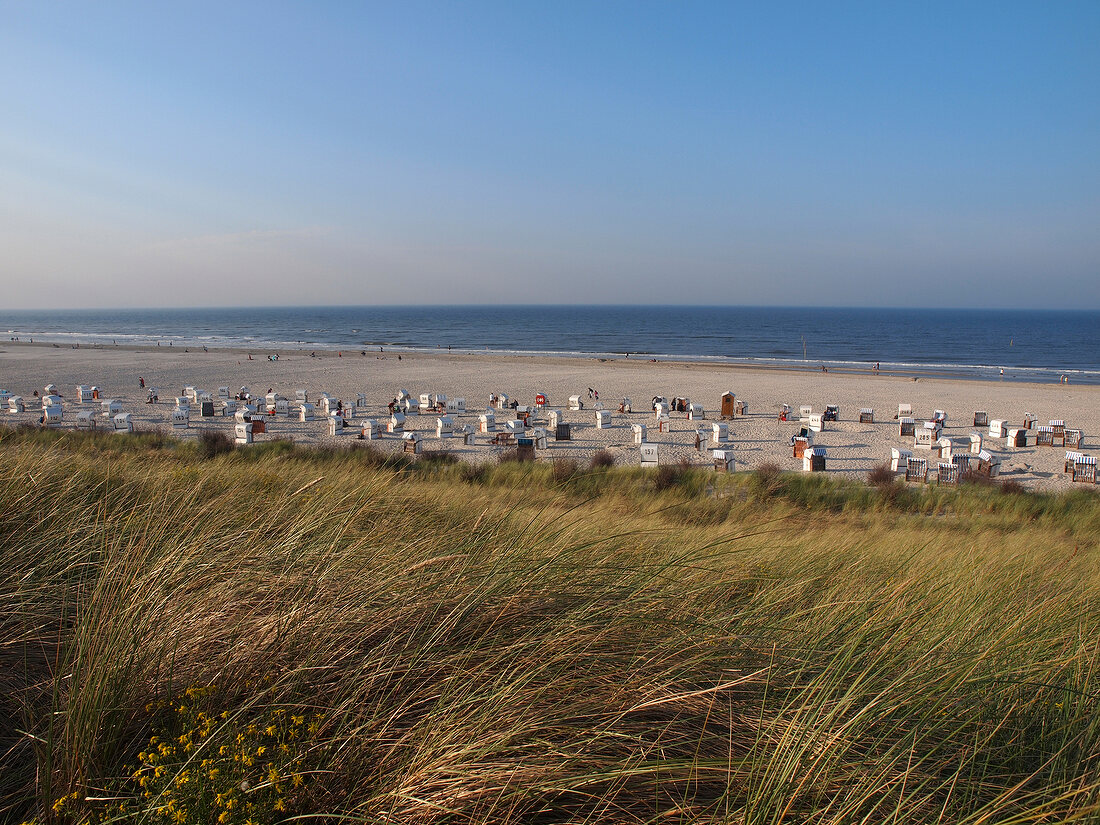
{"x": 205, "y": 153}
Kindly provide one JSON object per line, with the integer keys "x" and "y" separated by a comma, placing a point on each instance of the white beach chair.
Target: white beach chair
{"x": 603, "y": 419}
{"x": 720, "y": 432}
{"x": 724, "y": 461}
{"x": 899, "y": 459}
{"x": 639, "y": 433}
{"x": 444, "y": 426}
{"x": 123, "y": 423}
{"x": 813, "y": 460}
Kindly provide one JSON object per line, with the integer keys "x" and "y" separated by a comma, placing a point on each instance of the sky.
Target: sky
{"x": 804, "y": 153}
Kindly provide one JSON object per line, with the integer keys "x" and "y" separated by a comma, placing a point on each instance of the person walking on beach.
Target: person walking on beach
{"x": 141, "y": 382}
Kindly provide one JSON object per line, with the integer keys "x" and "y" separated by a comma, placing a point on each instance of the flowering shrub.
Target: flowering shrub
{"x": 201, "y": 766}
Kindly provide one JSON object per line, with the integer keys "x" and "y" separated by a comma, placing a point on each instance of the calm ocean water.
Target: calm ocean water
{"x": 1028, "y": 345}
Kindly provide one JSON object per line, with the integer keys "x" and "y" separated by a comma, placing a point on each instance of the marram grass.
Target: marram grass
{"x": 279, "y": 635}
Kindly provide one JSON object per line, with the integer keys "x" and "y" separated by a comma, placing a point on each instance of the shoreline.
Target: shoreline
{"x": 853, "y": 449}
{"x": 711, "y": 362}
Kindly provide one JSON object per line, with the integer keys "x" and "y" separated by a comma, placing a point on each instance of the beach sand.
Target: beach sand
{"x": 757, "y": 438}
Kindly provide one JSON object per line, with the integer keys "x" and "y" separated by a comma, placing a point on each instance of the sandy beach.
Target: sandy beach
{"x": 756, "y": 438}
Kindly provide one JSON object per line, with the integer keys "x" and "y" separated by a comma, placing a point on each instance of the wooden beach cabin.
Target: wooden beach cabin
{"x": 728, "y": 405}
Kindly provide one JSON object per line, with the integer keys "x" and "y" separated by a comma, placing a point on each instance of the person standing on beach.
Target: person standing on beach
{"x": 141, "y": 382}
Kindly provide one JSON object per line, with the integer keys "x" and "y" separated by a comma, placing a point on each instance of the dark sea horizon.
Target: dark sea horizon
{"x": 1029, "y": 345}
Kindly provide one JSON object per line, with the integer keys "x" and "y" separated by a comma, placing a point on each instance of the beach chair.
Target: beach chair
{"x": 181, "y": 419}
{"x": 575, "y": 403}
{"x": 123, "y": 423}
{"x": 306, "y": 411}
{"x": 904, "y": 411}
{"x": 916, "y": 469}
{"x": 998, "y": 428}
{"x": 554, "y": 418}
{"x": 742, "y": 408}
{"x": 49, "y": 389}
{"x": 206, "y": 409}
{"x": 695, "y": 412}
{"x": 85, "y": 419}
{"x": 723, "y": 461}
{"x": 444, "y": 426}
{"x": 660, "y": 409}
{"x": 639, "y": 433}
{"x": 539, "y": 436}
{"x": 720, "y": 432}
{"x": 562, "y": 432}
{"x": 223, "y": 393}
{"x": 867, "y": 415}
{"x": 784, "y": 412}
{"x": 963, "y": 462}
{"x": 799, "y": 446}
{"x": 625, "y": 406}
{"x": 1074, "y": 439}
{"x": 1084, "y": 469}
{"x": 813, "y": 460}
{"x": 372, "y": 429}
{"x": 52, "y": 415}
{"x": 361, "y": 400}
{"x": 603, "y": 419}
{"x": 16, "y": 405}
{"x": 940, "y": 417}
{"x": 832, "y": 413}
{"x": 981, "y": 418}
{"x": 335, "y": 424}
{"x": 1071, "y": 459}
{"x": 907, "y": 427}
{"x": 975, "y": 443}
{"x": 923, "y": 438}
{"x": 899, "y": 458}
{"x": 487, "y": 422}
{"x": 396, "y": 424}
{"x": 111, "y": 407}
{"x": 664, "y": 424}
{"x": 242, "y": 433}
{"x": 947, "y": 473}
{"x": 988, "y": 465}
{"x": 1058, "y": 428}
{"x": 647, "y": 454}
{"x": 1044, "y": 436}
{"x": 84, "y": 394}
{"x": 515, "y": 427}
{"x": 816, "y": 422}
{"x": 943, "y": 448}
{"x": 410, "y": 443}
{"x": 1030, "y": 421}
{"x": 805, "y": 411}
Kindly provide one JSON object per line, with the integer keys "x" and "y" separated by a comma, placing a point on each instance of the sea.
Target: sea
{"x": 1001, "y": 345}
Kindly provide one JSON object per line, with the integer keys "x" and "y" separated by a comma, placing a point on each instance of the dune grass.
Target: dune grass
{"x": 195, "y": 635}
